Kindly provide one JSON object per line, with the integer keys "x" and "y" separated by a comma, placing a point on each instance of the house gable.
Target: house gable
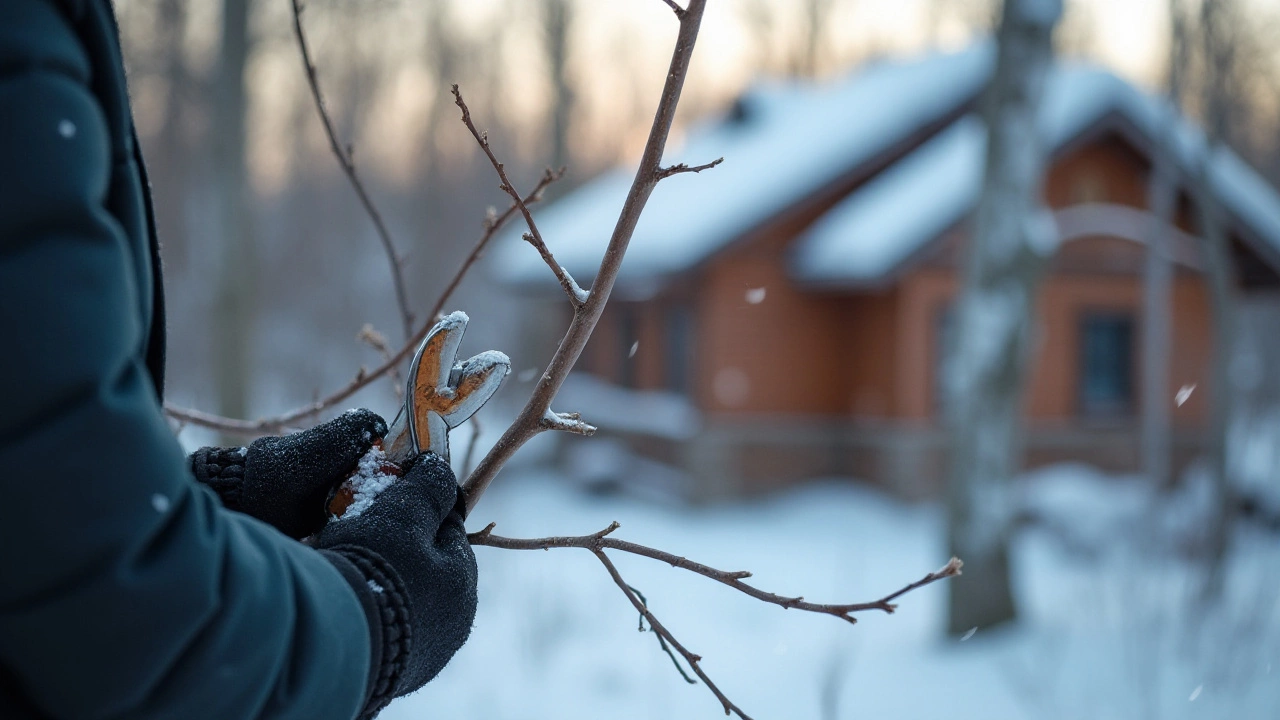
{"x": 887, "y": 225}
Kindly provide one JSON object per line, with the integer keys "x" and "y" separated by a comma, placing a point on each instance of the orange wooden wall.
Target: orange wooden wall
{"x": 873, "y": 354}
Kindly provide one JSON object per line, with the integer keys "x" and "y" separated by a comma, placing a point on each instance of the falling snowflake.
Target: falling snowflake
{"x": 968, "y": 633}
{"x": 1184, "y": 392}
{"x": 67, "y": 129}
{"x": 634, "y": 347}
{"x": 527, "y": 375}
{"x": 1195, "y": 693}
{"x": 160, "y": 502}
{"x": 755, "y": 296}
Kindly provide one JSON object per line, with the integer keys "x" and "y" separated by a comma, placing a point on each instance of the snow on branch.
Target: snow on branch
{"x": 577, "y": 297}
{"x": 586, "y": 314}
{"x": 567, "y": 422}
{"x": 683, "y": 168}
{"x": 598, "y": 542}
{"x": 346, "y": 159}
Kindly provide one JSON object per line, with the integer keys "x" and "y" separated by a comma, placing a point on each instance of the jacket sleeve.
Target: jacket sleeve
{"x": 125, "y": 589}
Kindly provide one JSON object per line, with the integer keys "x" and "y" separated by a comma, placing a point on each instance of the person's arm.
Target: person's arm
{"x": 125, "y": 590}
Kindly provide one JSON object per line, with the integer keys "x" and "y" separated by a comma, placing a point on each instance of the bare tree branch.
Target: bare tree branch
{"x": 683, "y": 168}
{"x": 662, "y": 643}
{"x": 530, "y": 421}
{"x": 347, "y": 161}
{"x": 679, "y": 11}
{"x": 598, "y": 542}
{"x": 577, "y": 296}
{"x": 732, "y": 578}
{"x": 293, "y": 418}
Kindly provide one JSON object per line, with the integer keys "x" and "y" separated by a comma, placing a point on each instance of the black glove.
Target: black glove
{"x": 285, "y": 481}
{"x": 408, "y": 560}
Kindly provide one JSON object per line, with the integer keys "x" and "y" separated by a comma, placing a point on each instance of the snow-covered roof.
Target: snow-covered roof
{"x": 782, "y": 144}
{"x": 891, "y": 218}
{"x": 785, "y": 143}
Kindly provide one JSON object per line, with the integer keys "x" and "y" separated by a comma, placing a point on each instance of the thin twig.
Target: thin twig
{"x": 732, "y": 578}
{"x": 662, "y": 631}
{"x": 577, "y": 296}
{"x": 471, "y": 445}
{"x": 679, "y": 11}
{"x": 531, "y": 419}
{"x": 598, "y": 542}
{"x": 378, "y": 342}
{"x": 293, "y": 418}
{"x": 347, "y": 161}
{"x": 683, "y": 168}
{"x": 662, "y": 643}
{"x": 571, "y": 423}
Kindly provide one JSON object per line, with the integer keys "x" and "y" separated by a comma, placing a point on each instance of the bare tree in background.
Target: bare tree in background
{"x": 1013, "y": 238}
{"x": 982, "y": 15}
{"x": 233, "y": 318}
{"x": 557, "y": 16}
{"x": 172, "y": 170}
{"x": 1220, "y": 58}
{"x": 815, "y": 18}
{"x": 759, "y": 18}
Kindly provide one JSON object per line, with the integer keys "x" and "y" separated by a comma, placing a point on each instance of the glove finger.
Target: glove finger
{"x": 328, "y": 452}
{"x": 430, "y": 481}
{"x": 452, "y": 529}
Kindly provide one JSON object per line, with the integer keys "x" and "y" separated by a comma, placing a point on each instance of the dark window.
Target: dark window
{"x": 679, "y": 355}
{"x": 1106, "y": 364}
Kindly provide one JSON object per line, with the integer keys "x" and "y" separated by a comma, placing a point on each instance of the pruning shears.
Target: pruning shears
{"x": 440, "y": 394}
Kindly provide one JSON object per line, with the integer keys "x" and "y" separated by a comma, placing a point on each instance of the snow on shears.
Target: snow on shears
{"x": 440, "y": 394}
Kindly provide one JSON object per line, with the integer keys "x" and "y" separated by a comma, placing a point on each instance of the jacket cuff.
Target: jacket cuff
{"x": 382, "y": 595}
{"x": 222, "y": 469}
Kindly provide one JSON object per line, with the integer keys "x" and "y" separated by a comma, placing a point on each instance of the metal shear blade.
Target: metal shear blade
{"x": 440, "y": 393}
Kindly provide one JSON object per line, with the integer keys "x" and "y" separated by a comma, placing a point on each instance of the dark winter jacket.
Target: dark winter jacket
{"x": 126, "y": 591}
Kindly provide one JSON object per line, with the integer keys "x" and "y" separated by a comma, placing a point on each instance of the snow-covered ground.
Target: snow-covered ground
{"x": 1109, "y": 626}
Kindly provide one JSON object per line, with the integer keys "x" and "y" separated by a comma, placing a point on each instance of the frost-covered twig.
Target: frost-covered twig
{"x": 346, "y": 159}
{"x": 576, "y": 295}
{"x": 662, "y": 643}
{"x": 598, "y": 542}
{"x": 294, "y": 418}
{"x": 567, "y": 422}
{"x": 531, "y": 419}
{"x": 684, "y": 168}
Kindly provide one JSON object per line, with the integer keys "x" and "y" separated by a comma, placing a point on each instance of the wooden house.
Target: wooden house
{"x": 797, "y": 298}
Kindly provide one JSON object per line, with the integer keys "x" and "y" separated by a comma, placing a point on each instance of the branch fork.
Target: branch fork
{"x": 600, "y": 541}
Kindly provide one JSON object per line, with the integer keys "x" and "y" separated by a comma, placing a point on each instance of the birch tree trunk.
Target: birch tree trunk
{"x": 1157, "y": 301}
{"x": 1013, "y": 238}
{"x": 1157, "y": 297}
{"x": 1220, "y": 57}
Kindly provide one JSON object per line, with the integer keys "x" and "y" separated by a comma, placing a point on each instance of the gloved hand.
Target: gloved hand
{"x": 285, "y": 481}
{"x": 407, "y": 558}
